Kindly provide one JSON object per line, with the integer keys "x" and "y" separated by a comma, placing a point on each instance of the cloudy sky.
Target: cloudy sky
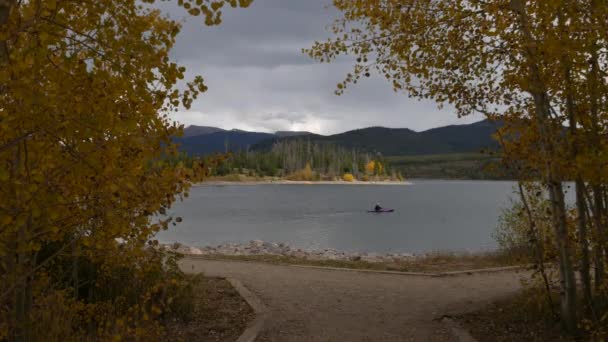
{"x": 259, "y": 79}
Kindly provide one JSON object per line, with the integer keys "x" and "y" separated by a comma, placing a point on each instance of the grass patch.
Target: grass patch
{"x": 429, "y": 158}
{"x": 219, "y": 313}
{"x": 431, "y": 263}
{"x": 448, "y": 166}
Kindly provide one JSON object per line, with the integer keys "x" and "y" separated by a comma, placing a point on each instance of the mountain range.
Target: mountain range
{"x": 203, "y": 140}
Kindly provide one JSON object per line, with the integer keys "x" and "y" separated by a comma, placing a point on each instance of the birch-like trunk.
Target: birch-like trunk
{"x": 537, "y": 89}
{"x": 583, "y": 238}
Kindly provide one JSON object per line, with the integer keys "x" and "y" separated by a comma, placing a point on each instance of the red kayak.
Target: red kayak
{"x": 381, "y": 211}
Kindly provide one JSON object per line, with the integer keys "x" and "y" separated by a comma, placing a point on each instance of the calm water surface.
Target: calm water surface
{"x": 430, "y": 216}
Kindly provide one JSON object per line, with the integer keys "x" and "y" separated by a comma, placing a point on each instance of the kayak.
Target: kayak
{"x": 381, "y": 211}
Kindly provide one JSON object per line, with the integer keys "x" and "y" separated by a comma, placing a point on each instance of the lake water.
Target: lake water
{"x": 430, "y": 215}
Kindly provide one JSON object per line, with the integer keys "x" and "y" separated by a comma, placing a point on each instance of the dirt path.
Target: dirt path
{"x": 321, "y": 305}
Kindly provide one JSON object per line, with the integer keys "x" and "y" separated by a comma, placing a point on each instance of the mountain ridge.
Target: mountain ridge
{"x": 194, "y": 130}
{"x": 387, "y": 141}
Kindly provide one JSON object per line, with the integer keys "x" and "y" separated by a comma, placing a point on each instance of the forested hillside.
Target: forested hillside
{"x": 387, "y": 141}
{"x": 220, "y": 142}
{"x": 406, "y": 142}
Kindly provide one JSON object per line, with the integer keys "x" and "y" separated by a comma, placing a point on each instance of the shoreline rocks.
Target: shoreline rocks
{"x": 288, "y": 182}
{"x": 260, "y": 248}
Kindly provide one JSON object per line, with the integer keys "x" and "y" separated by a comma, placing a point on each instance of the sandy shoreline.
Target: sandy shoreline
{"x": 287, "y": 182}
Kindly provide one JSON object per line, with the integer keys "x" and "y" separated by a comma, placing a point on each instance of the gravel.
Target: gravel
{"x": 258, "y": 247}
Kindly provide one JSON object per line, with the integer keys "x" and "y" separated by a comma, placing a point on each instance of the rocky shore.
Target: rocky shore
{"x": 259, "y": 248}
{"x": 289, "y": 182}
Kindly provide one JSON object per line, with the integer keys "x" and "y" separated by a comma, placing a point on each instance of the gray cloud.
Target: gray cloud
{"x": 260, "y": 80}
{"x": 293, "y": 118}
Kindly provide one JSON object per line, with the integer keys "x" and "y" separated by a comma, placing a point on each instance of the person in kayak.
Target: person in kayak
{"x": 377, "y": 207}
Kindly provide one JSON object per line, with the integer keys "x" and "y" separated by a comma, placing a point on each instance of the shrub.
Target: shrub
{"x": 130, "y": 299}
{"x": 348, "y": 177}
{"x": 522, "y": 239}
{"x": 306, "y": 174}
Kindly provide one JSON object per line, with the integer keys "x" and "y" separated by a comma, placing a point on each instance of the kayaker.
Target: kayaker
{"x": 377, "y": 207}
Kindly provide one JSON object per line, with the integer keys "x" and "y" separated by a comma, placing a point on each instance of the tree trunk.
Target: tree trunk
{"x": 601, "y": 241}
{"x": 584, "y": 243}
{"x": 594, "y": 214}
{"x": 537, "y": 245}
{"x": 571, "y": 111}
{"x": 567, "y": 278}
{"x": 595, "y": 95}
{"x": 558, "y": 208}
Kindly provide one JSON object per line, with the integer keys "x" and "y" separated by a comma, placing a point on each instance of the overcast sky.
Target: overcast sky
{"x": 259, "y": 79}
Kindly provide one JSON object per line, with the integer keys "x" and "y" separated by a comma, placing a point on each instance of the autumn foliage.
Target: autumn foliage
{"x": 348, "y": 177}
{"x": 538, "y": 66}
{"x": 374, "y": 168}
{"x": 85, "y": 92}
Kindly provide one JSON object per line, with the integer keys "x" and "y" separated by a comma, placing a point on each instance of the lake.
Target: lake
{"x": 431, "y": 215}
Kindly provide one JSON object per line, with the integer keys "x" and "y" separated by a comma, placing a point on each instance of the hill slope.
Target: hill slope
{"x": 465, "y": 138}
{"x": 406, "y": 142}
{"x": 388, "y": 141}
{"x": 282, "y": 134}
{"x": 193, "y": 130}
{"x": 219, "y": 142}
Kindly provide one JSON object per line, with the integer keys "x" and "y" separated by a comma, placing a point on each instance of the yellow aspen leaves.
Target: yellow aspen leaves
{"x": 537, "y": 66}
{"x": 86, "y": 89}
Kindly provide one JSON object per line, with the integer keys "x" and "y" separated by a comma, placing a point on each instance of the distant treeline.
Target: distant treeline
{"x": 300, "y": 159}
